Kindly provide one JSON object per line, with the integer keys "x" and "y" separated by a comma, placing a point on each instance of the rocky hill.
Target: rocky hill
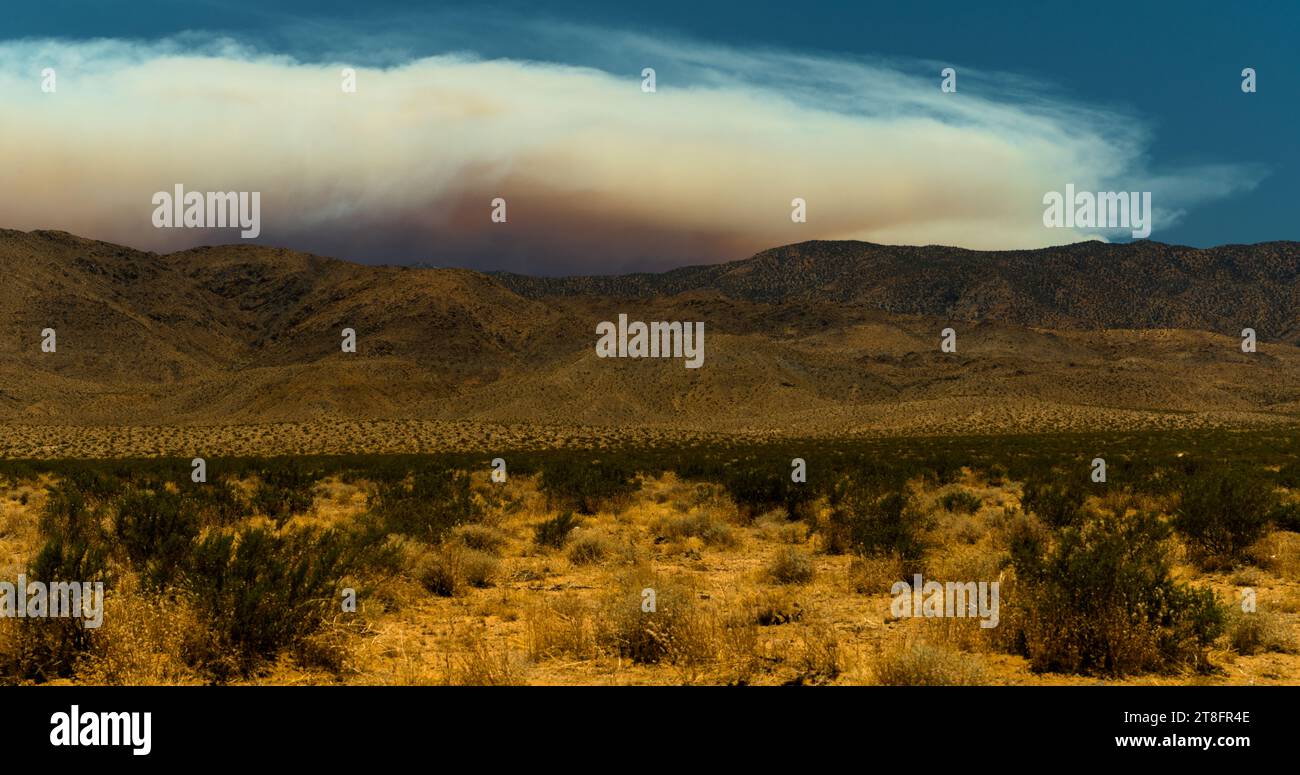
{"x": 814, "y": 338}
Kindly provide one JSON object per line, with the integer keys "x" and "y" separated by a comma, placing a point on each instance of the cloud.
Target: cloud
{"x": 598, "y": 176}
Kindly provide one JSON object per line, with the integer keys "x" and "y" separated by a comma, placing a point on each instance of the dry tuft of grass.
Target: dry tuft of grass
{"x": 791, "y": 566}
{"x": 588, "y": 547}
{"x": 910, "y": 662}
{"x": 1259, "y": 631}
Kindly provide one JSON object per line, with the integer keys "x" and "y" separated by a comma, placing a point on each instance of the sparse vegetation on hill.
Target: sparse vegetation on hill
{"x": 818, "y": 338}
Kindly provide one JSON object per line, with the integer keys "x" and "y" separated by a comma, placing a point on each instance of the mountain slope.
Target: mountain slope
{"x": 815, "y": 338}
{"x": 1086, "y": 285}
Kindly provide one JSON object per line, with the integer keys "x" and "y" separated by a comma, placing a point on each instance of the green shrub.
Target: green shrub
{"x": 283, "y": 491}
{"x": 155, "y": 529}
{"x": 1286, "y": 516}
{"x": 555, "y": 531}
{"x": 583, "y": 486}
{"x": 755, "y": 490}
{"x": 1098, "y": 597}
{"x": 49, "y": 648}
{"x": 874, "y": 524}
{"x": 960, "y": 503}
{"x": 263, "y": 591}
{"x": 432, "y": 503}
{"x": 1221, "y": 513}
{"x": 1058, "y": 503}
{"x": 68, "y": 515}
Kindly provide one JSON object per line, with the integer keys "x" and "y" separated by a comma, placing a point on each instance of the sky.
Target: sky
{"x": 836, "y": 104}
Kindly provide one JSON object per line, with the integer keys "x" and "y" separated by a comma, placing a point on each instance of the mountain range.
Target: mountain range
{"x": 815, "y": 338}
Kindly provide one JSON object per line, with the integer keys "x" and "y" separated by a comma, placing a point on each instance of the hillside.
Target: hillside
{"x": 816, "y": 338}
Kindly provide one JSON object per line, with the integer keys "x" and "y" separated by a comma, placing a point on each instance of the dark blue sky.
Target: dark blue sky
{"x": 1174, "y": 65}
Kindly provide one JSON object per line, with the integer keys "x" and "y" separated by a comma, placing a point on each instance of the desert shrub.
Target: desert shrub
{"x": 48, "y": 648}
{"x": 790, "y": 566}
{"x": 960, "y": 503}
{"x": 1278, "y": 553}
{"x": 144, "y": 640}
{"x": 1286, "y": 516}
{"x": 284, "y": 489}
{"x": 874, "y": 575}
{"x": 480, "y": 537}
{"x": 1057, "y": 503}
{"x": 1289, "y": 475}
{"x": 1255, "y": 632}
{"x": 479, "y": 569}
{"x": 555, "y": 531}
{"x": 262, "y": 591}
{"x": 583, "y": 486}
{"x": 449, "y": 569}
{"x": 217, "y": 502}
{"x": 155, "y": 529}
{"x": 433, "y": 502}
{"x": 69, "y": 514}
{"x": 756, "y": 490}
{"x": 441, "y": 571}
{"x": 1221, "y": 513}
{"x": 821, "y": 658}
{"x": 943, "y": 468}
{"x": 475, "y": 662}
{"x": 915, "y": 663}
{"x": 872, "y": 524}
{"x": 563, "y": 626}
{"x": 773, "y": 607}
{"x": 1099, "y": 597}
{"x": 697, "y": 524}
{"x": 588, "y": 548}
{"x": 672, "y": 632}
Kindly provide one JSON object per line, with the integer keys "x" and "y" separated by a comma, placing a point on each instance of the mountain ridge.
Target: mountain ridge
{"x": 817, "y": 337}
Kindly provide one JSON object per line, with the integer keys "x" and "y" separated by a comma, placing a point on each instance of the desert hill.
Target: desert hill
{"x": 1141, "y": 284}
{"x": 814, "y": 338}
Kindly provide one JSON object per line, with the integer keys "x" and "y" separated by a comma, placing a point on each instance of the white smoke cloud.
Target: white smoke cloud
{"x": 598, "y": 175}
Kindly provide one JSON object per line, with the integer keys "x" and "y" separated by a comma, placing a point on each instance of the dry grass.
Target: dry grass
{"x": 734, "y": 603}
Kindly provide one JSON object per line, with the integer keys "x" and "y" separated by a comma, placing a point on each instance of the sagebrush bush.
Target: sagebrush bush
{"x": 915, "y": 663}
{"x": 696, "y": 524}
{"x": 672, "y": 631}
{"x": 960, "y": 502}
{"x": 479, "y": 568}
{"x": 1221, "y": 513}
{"x": 555, "y": 531}
{"x": 441, "y": 571}
{"x": 434, "y": 501}
{"x": 790, "y": 566}
{"x": 156, "y": 530}
{"x": 584, "y": 485}
{"x": 870, "y": 523}
{"x": 1099, "y": 597}
{"x": 44, "y": 649}
{"x": 263, "y": 590}
{"x": 1260, "y": 631}
{"x": 480, "y": 537}
{"x": 1056, "y": 502}
{"x": 588, "y": 548}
